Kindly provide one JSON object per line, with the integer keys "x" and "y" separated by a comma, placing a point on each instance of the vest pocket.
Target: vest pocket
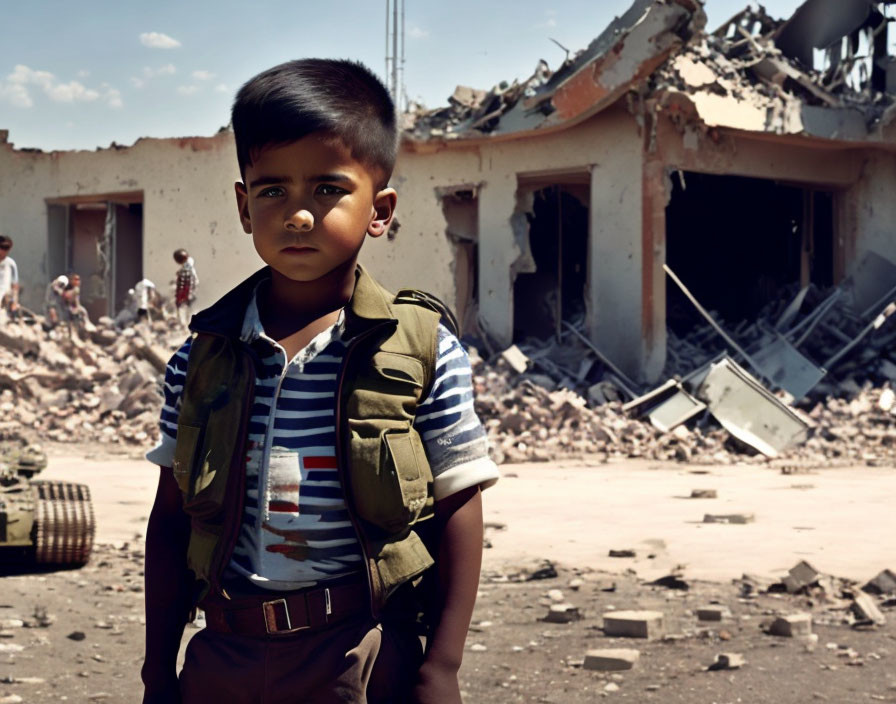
{"x": 390, "y": 480}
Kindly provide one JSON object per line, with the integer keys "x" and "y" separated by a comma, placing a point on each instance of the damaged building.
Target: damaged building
{"x": 751, "y": 160}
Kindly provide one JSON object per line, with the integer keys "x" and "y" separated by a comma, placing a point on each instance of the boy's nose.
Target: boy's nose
{"x": 301, "y": 220}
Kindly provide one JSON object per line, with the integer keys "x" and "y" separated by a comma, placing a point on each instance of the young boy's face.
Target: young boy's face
{"x": 309, "y": 204}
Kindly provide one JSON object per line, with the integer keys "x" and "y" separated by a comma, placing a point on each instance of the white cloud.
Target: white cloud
{"x": 416, "y": 32}
{"x": 157, "y": 40}
{"x": 203, "y": 75}
{"x": 149, "y": 73}
{"x": 187, "y": 90}
{"x": 166, "y": 70}
{"x": 83, "y": 73}
{"x": 70, "y": 92}
{"x": 16, "y": 89}
{"x": 222, "y": 88}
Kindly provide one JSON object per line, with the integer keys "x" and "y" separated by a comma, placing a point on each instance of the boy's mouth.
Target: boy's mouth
{"x": 298, "y": 249}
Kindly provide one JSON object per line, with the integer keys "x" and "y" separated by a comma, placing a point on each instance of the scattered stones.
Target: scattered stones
{"x": 728, "y": 661}
{"x": 556, "y": 596}
{"x": 731, "y": 518}
{"x": 76, "y": 635}
{"x": 611, "y": 659}
{"x": 712, "y": 613}
{"x": 704, "y": 494}
{"x": 634, "y": 624}
{"x": 800, "y": 576}
{"x": 478, "y": 648}
{"x": 792, "y": 626}
{"x": 563, "y": 613}
{"x": 622, "y": 553}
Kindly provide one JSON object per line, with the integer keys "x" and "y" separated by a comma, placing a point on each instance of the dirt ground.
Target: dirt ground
{"x": 77, "y": 635}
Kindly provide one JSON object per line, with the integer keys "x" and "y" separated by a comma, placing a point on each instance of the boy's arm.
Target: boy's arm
{"x": 458, "y": 565}
{"x": 168, "y": 591}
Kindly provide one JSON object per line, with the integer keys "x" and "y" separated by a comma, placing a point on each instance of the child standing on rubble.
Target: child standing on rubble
{"x": 185, "y": 284}
{"x": 9, "y": 277}
{"x": 321, "y": 462}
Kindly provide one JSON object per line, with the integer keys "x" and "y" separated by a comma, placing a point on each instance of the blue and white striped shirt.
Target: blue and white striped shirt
{"x": 296, "y": 529}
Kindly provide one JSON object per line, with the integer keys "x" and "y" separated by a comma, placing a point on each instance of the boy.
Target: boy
{"x": 53, "y": 302}
{"x": 319, "y": 447}
{"x": 9, "y": 276}
{"x": 185, "y": 284}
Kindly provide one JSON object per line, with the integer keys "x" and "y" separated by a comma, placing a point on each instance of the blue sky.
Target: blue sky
{"x": 82, "y": 75}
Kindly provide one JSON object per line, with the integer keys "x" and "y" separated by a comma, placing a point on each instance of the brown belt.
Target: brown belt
{"x": 293, "y": 612}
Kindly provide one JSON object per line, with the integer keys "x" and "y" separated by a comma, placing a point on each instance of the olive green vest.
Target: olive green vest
{"x": 386, "y": 479}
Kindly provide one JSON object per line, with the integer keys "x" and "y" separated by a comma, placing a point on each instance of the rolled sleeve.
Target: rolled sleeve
{"x": 454, "y": 439}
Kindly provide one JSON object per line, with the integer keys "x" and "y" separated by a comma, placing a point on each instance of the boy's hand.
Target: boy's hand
{"x": 436, "y": 684}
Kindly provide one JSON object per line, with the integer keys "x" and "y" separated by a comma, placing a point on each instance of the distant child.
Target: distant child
{"x": 185, "y": 286}
{"x": 54, "y": 305}
{"x": 9, "y": 277}
{"x": 321, "y": 461}
{"x": 71, "y": 299}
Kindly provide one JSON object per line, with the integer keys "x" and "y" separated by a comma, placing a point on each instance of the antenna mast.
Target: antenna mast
{"x": 395, "y": 57}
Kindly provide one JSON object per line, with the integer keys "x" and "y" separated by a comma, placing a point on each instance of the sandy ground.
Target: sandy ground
{"x": 842, "y": 518}
{"x": 89, "y": 648}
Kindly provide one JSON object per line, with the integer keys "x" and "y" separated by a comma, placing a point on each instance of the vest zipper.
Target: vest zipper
{"x": 231, "y": 529}
{"x": 341, "y": 440}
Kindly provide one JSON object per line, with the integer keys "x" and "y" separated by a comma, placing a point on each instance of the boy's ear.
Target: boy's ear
{"x": 242, "y": 204}
{"x": 382, "y": 212}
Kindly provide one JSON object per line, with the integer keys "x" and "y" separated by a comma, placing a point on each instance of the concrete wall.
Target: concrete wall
{"x": 870, "y": 207}
{"x": 188, "y": 201}
{"x": 608, "y": 147}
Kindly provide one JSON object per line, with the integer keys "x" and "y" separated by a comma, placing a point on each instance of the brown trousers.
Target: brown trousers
{"x": 358, "y": 661}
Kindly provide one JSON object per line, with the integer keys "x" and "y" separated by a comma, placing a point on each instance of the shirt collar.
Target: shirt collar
{"x": 253, "y": 330}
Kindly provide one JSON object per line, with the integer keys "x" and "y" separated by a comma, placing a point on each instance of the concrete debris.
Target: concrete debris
{"x": 713, "y": 613}
{"x": 563, "y": 613}
{"x": 712, "y": 409}
{"x": 728, "y": 661}
{"x": 801, "y": 576}
{"x": 104, "y": 388}
{"x": 865, "y": 609}
{"x": 732, "y": 518}
{"x": 611, "y": 659}
{"x": 792, "y": 626}
{"x": 884, "y": 583}
{"x": 634, "y": 624}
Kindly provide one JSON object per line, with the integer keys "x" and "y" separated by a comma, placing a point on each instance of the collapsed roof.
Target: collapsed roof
{"x": 755, "y": 73}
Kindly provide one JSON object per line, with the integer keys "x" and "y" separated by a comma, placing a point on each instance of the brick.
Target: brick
{"x": 712, "y": 613}
{"x": 792, "y": 626}
{"x": 563, "y": 613}
{"x": 731, "y": 518}
{"x": 634, "y": 624}
{"x": 611, "y": 659}
{"x": 728, "y": 661}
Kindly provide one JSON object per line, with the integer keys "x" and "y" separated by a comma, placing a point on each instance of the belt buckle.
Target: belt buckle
{"x": 269, "y": 609}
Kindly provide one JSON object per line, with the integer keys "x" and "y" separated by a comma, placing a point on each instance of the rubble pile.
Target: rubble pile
{"x": 526, "y": 420}
{"x": 103, "y": 388}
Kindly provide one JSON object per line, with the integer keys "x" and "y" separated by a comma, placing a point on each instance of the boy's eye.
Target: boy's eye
{"x": 326, "y": 189}
{"x": 270, "y": 192}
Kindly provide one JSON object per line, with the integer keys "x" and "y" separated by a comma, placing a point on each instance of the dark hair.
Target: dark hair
{"x": 297, "y": 98}
{"x": 5, "y": 242}
{"x": 180, "y": 255}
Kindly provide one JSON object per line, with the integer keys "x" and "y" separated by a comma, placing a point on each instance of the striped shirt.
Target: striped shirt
{"x": 296, "y": 529}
